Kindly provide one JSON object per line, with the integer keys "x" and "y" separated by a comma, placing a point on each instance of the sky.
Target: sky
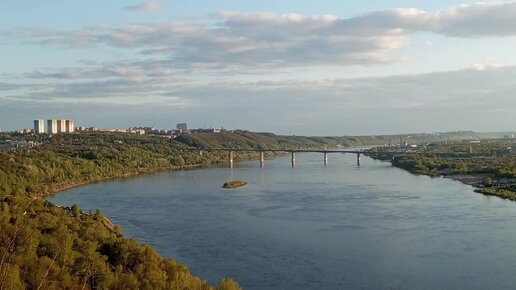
{"x": 294, "y": 67}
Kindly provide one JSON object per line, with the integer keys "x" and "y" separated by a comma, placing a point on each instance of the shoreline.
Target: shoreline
{"x": 474, "y": 180}
{"x": 60, "y": 188}
{"x": 64, "y": 187}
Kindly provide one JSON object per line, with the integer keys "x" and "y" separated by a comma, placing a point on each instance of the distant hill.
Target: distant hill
{"x": 255, "y": 140}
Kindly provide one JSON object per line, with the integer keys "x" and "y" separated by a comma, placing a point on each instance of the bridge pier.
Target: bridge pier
{"x": 325, "y": 159}
{"x": 262, "y": 159}
{"x": 293, "y": 159}
{"x": 358, "y": 159}
{"x": 230, "y": 159}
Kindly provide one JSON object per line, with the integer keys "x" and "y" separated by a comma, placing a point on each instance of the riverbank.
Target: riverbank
{"x": 474, "y": 180}
{"x": 76, "y": 248}
{"x": 491, "y": 169}
{"x": 56, "y": 188}
{"x": 305, "y": 217}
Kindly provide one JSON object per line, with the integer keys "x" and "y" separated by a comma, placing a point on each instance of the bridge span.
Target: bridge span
{"x": 292, "y": 152}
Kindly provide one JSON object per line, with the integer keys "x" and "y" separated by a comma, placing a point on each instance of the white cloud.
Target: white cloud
{"x": 269, "y": 39}
{"x": 146, "y": 6}
{"x": 426, "y": 102}
{"x": 195, "y": 64}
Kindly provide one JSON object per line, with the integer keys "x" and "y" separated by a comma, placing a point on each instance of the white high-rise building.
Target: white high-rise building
{"x": 52, "y": 126}
{"x": 39, "y": 126}
{"x": 70, "y": 126}
{"x": 61, "y": 126}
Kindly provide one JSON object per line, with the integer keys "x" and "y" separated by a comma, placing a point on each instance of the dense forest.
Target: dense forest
{"x": 43, "y": 246}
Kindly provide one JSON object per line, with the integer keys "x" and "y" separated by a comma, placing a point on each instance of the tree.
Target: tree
{"x": 228, "y": 284}
{"x": 98, "y": 215}
{"x": 487, "y": 182}
{"x": 177, "y": 161}
{"x": 75, "y": 210}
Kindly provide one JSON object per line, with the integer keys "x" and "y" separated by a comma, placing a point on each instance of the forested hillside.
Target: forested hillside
{"x": 253, "y": 140}
{"x": 43, "y": 246}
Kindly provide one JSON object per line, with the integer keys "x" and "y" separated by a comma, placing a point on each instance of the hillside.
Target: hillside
{"x": 43, "y": 246}
{"x": 253, "y": 140}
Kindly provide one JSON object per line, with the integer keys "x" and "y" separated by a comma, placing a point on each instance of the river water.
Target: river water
{"x": 316, "y": 227}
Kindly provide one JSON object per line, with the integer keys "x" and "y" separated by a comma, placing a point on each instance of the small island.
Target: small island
{"x": 234, "y": 184}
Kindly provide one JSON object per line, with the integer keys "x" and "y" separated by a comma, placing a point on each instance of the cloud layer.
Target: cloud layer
{"x": 458, "y": 97}
{"x": 230, "y": 63}
{"x": 279, "y": 40}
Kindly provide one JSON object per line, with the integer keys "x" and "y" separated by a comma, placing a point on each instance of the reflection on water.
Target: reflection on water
{"x": 316, "y": 227}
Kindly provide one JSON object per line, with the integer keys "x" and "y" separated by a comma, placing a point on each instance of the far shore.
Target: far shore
{"x": 474, "y": 180}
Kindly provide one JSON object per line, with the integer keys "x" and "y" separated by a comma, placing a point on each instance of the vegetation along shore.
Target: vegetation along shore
{"x": 43, "y": 246}
{"x": 488, "y": 165}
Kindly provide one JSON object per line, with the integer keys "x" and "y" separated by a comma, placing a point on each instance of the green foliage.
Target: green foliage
{"x": 76, "y": 211}
{"x": 228, "y": 284}
{"x": 177, "y": 161}
{"x": 43, "y": 246}
{"x": 98, "y": 215}
{"x": 499, "y": 192}
{"x": 48, "y": 247}
{"x": 490, "y": 157}
{"x": 253, "y": 140}
{"x": 234, "y": 184}
{"x": 487, "y": 181}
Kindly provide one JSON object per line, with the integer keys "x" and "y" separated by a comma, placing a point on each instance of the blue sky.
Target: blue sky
{"x": 289, "y": 66}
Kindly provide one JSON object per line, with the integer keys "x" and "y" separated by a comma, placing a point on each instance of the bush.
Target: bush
{"x": 487, "y": 182}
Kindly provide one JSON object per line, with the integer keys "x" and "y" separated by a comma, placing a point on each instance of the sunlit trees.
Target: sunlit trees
{"x": 487, "y": 181}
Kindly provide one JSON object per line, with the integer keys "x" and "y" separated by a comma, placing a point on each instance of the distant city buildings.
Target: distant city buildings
{"x": 54, "y": 126}
{"x": 39, "y": 126}
{"x": 182, "y": 127}
{"x": 139, "y": 131}
{"x": 26, "y": 131}
{"x": 51, "y": 126}
{"x": 60, "y": 126}
{"x": 86, "y": 129}
{"x": 10, "y": 145}
{"x": 70, "y": 126}
{"x": 210, "y": 130}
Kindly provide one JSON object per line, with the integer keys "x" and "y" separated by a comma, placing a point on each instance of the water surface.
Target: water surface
{"x": 316, "y": 227}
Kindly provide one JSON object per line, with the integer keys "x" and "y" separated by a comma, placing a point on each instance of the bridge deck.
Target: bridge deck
{"x": 279, "y": 150}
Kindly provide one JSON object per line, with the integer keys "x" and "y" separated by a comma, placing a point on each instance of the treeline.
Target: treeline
{"x": 43, "y": 246}
{"x": 253, "y": 140}
{"x": 497, "y": 166}
{"x": 493, "y": 159}
{"x": 67, "y": 160}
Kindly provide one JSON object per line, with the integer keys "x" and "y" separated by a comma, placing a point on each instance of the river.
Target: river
{"x": 316, "y": 227}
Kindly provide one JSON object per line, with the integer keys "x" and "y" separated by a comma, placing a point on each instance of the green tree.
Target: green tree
{"x": 75, "y": 210}
{"x": 177, "y": 161}
{"x": 487, "y": 181}
{"x": 228, "y": 284}
{"x": 98, "y": 215}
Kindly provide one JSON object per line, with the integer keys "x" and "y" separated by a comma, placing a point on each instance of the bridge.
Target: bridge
{"x": 292, "y": 152}
{"x": 325, "y": 152}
